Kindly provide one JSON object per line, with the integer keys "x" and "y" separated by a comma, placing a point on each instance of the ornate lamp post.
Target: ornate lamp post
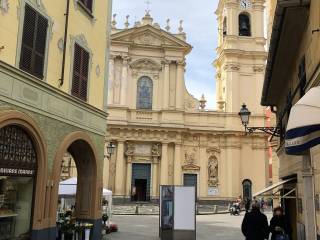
{"x": 110, "y": 149}
{"x": 245, "y": 116}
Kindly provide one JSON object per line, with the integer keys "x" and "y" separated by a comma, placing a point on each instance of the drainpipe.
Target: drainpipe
{"x": 65, "y": 43}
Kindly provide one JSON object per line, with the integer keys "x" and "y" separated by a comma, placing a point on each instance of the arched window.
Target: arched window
{"x": 144, "y": 93}
{"x": 244, "y": 25}
{"x": 224, "y": 29}
{"x": 247, "y": 189}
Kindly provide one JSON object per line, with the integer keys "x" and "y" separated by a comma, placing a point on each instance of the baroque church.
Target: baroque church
{"x": 164, "y": 135}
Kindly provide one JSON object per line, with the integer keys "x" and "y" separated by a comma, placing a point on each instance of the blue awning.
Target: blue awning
{"x": 303, "y": 129}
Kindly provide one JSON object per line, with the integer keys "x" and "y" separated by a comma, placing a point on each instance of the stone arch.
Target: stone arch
{"x": 89, "y": 186}
{"x": 12, "y": 117}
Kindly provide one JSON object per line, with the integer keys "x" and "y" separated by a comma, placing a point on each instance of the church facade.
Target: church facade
{"x": 164, "y": 135}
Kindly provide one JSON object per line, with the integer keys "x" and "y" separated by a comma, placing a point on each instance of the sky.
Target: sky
{"x": 200, "y": 25}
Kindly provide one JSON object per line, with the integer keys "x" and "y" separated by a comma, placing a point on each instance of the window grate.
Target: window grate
{"x": 33, "y": 45}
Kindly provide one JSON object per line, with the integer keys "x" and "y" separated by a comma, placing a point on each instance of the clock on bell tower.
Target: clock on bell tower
{"x": 241, "y": 55}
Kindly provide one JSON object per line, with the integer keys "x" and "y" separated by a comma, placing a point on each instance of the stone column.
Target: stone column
{"x": 155, "y": 178}
{"x": 164, "y": 165}
{"x": 308, "y": 198}
{"x": 177, "y": 164}
{"x": 179, "y": 84}
{"x": 129, "y": 176}
{"x": 124, "y": 81}
{"x": 111, "y": 79}
{"x": 120, "y": 164}
{"x": 166, "y": 83}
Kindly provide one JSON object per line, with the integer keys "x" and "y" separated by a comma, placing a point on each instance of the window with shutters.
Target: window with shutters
{"x": 87, "y": 4}
{"x": 80, "y": 72}
{"x": 33, "y": 45}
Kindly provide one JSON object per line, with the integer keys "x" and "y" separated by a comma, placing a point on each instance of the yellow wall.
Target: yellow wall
{"x": 94, "y": 30}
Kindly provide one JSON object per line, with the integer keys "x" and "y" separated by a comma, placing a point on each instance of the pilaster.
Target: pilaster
{"x": 179, "y": 84}
{"x": 166, "y": 84}
{"x": 120, "y": 168}
{"x": 164, "y": 164}
{"x": 177, "y": 164}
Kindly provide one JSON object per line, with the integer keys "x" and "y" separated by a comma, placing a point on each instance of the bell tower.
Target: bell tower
{"x": 241, "y": 55}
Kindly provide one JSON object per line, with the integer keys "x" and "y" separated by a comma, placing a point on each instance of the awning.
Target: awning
{"x": 272, "y": 187}
{"x": 303, "y": 129}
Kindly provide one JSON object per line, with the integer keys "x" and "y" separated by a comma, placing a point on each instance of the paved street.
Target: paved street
{"x": 209, "y": 227}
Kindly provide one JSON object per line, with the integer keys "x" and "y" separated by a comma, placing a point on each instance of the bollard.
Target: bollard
{"x": 137, "y": 209}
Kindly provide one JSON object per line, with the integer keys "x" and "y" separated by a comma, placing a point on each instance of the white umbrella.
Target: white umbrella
{"x": 303, "y": 129}
{"x": 69, "y": 188}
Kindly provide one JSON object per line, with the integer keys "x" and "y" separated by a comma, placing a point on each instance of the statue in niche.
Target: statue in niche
{"x": 155, "y": 151}
{"x": 130, "y": 148}
{"x": 213, "y": 172}
{"x": 190, "y": 158}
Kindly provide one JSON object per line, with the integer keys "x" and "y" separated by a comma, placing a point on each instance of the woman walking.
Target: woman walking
{"x": 279, "y": 226}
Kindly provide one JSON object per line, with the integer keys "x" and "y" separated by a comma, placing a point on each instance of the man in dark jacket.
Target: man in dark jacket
{"x": 255, "y": 224}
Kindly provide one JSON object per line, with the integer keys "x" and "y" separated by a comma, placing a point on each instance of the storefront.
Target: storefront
{"x": 18, "y": 168}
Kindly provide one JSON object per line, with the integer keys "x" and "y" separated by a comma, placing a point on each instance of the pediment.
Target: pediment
{"x": 146, "y": 63}
{"x": 149, "y": 36}
{"x": 192, "y": 167}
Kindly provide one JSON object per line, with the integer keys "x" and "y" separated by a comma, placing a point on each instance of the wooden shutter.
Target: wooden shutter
{"x": 80, "y": 73}
{"x": 87, "y": 4}
{"x": 33, "y": 45}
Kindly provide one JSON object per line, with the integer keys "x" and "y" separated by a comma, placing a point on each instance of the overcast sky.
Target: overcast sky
{"x": 200, "y": 26}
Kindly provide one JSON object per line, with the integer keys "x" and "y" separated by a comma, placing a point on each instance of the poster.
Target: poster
{"x": 213, "y": 191}
{"x": 167, "y": 207}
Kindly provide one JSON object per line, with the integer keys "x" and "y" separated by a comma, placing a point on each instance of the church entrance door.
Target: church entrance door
{"x": 190, "y": 180}
{"x": 141, "y": 181}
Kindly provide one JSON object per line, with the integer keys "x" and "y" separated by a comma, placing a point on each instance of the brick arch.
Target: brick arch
{"x": 89, "y": 189}
{"x": 12, "y": 117}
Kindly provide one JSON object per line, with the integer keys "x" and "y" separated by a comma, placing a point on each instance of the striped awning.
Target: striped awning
{"x": 303, "y": 129}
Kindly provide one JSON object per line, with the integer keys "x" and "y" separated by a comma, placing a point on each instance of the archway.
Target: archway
{"x": 24, "y": 171}
{"x": 89, "y": 180}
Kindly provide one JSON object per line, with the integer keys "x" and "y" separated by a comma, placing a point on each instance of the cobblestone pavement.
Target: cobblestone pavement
{"x": 209, "y": 227}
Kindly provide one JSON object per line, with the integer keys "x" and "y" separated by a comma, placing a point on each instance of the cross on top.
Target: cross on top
{"x": 148, "y": 6}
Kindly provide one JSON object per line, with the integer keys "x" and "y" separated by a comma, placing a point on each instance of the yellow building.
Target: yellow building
{"x": 292, "y": 70}
{"x": 53, "y": 86}
{"x": 163, "y": 134}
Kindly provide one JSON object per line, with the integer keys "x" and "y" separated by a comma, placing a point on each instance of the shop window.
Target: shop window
{"x": 33, "y": 46}
{"x": 144, "y": 93}
{"x": 18, "y": 164}
{"x": 80, "y": 73}
{"x": 244, "y": 25}
{"x": 247, "y": 189}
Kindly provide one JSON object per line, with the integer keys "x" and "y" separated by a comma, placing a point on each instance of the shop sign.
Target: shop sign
{"x": 16, "y": 171}
{"x": 213, "y": 191}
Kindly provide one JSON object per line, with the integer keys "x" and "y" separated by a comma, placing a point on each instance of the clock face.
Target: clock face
{"x": 245, "y": 4}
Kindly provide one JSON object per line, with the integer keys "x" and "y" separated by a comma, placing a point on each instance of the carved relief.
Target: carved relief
{"x": 4, "y": 6}
{"x": 232, "y": 67}
{"x": 213, "y": 172}
{"x": 258, "y": 68}
{"x": 145, "y": 64}
{"x": 155, "y": 151}
{"x": 130, "y": 149}
{"x": 147, "y": 39}
{"x": 191, "y": 103}
{"x": 190, "y": 157}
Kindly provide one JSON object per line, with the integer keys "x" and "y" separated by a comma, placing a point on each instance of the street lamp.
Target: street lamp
{"x": 245, "y": 115}
{"x": 110, "y": 149}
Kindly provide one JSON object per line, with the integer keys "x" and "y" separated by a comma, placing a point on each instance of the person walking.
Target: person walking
{"x": 255, "y": 224}
{"x": 279, "y": 226}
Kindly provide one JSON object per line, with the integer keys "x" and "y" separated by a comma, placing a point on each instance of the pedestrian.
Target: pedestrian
{"x": 255, "y": 224}
{"x": 279, "y": 226}
{"x": 247, "y": 204}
